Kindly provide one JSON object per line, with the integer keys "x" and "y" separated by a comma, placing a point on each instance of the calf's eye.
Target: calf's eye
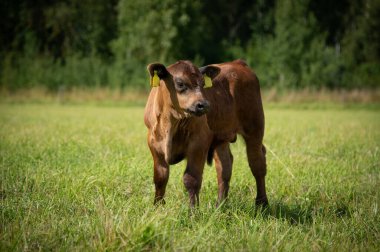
{"x": 180, "y": 86}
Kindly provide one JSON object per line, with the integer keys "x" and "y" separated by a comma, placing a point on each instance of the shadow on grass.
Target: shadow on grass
{"x": 293, "y": 213}
{"x": 304, "y": 214}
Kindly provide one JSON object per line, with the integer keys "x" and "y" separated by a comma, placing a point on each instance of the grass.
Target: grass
{"x": 79, "y": 177}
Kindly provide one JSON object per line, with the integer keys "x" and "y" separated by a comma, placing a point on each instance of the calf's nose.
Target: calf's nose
{"x": 202, "y": 106}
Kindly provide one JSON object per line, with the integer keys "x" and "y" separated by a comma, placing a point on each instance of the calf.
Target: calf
{"x": 187, "y": 120}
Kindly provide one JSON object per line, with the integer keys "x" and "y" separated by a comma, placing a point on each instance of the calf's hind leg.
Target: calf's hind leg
{"x": 223, "y": 163}
{"x": 257, "y": 162}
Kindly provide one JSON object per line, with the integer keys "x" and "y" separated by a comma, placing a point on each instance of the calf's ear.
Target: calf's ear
{"x": 157, "y": 72}
{"x": 210, "y": 71}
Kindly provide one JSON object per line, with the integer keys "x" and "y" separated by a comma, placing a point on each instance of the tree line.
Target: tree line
{"x": 291, "y": 44}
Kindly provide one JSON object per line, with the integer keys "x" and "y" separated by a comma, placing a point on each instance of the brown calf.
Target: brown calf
{"x": 186, "y": 120}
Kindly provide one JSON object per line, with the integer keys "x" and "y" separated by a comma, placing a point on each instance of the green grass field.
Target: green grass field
{"x": 77, "y": 177}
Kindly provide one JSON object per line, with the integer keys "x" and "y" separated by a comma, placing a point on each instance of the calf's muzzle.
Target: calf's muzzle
{"x": 199, "y": 108}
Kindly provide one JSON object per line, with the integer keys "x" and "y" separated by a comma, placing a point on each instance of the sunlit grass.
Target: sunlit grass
{"x": 79, "y": 177}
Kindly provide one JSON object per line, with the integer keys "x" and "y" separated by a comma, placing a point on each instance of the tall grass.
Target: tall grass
{"x": 36, "y": 71}
{"x": 135, "y": 95}
{"x": 79, "y": 177}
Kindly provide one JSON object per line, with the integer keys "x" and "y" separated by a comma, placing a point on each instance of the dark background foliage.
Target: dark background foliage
{"x": 291, "y": 44}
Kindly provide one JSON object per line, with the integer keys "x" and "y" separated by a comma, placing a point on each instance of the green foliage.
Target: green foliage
{"x": 296, "y": 55}
{"x": 154, "y": 31}
{"x": 144, "y": 35}
{"x": 361, "y": 46}
{"x": 290, "y": 43}
{"x": 80, "y": 178}
{"x": 20, "y": 71}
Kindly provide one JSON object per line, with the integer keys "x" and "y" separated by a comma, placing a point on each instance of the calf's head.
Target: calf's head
{"x": 182, "y": 83}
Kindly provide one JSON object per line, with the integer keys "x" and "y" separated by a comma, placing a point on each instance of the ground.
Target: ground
{"x": 77, "y": 177}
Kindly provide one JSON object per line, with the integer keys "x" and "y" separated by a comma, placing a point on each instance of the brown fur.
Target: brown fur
{"x": 176, "y": 132}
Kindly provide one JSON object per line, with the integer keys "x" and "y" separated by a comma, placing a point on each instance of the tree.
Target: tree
{"x": 361, "y": 44}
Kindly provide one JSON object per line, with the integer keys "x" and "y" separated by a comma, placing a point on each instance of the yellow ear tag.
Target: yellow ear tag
{"x": 208, "y": 82}
{"x": 155, "y": 80}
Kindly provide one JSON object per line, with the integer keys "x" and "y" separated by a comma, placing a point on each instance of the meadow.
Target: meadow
{"x": 78, "y": 177}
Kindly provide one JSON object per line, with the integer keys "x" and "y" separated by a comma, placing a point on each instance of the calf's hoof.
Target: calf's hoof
{"x": 159, "y": 201}
{"x": 262, "y": 202}
{"x": 220, "y": 203}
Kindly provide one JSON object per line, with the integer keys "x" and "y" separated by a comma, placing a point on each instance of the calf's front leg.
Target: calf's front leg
{"x": 192, "y": 178}
{"x": 161, "y": 175}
